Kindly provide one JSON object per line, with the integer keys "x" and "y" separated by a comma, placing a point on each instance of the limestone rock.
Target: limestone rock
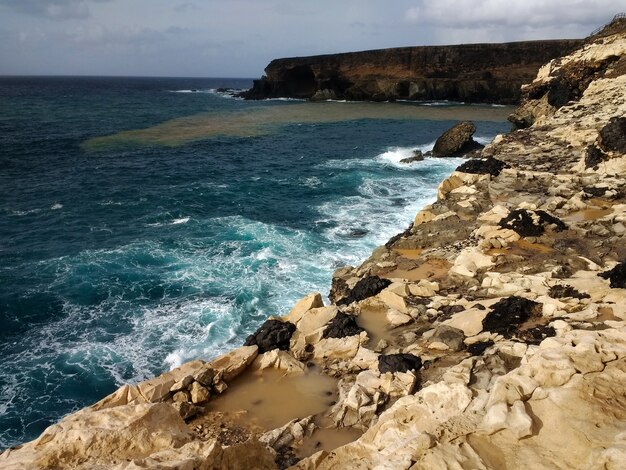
{"x": 231, "y": 364}
{"x": 199, "y": 394}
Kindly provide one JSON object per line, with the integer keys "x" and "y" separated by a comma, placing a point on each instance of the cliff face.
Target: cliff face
{"x": 473, "y": 73}
{"x": 490, "y": 334}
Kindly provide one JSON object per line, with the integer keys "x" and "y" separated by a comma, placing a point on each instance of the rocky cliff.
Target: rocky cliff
{"x": 490, "y": 334}
{"x": 473, "y": 73}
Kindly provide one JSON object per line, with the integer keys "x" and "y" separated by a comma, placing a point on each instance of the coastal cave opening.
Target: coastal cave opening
{"x": 301, "y": 81}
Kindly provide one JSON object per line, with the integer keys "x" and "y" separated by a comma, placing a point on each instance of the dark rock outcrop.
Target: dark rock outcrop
{"x": 477, "y": 73}
{"x": 342, "y": 325}
{"x": 561, "y": 292}
{"x": 450, "y": 336}
{"x": 613, "y": 135}
{"x": 364, "y": 288}
{"x": 480, "y": 166}
{"x": 531, "y": 223}
{"x": 456, "y": 141}
{"x": 476, "y": 349}
{"x": 417, "y": 156}
{"x": 273, "y": 334}
{"x": 616, "y": 276}
{"x": 398, "y": 363}
{"x": 507, "y": 314}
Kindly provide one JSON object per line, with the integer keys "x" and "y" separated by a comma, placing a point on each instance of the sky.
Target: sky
{"x": 238, "y": 38}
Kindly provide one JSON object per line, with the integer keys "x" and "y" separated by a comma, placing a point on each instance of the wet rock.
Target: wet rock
{"x": 273, "y": 334}
{"x": 341, "y": 326}
{"x": 398, "y": 363}
{"x": 594, "y": 156}
{"x": 560, "y": 292}
{"x": 477, "y": 349}
{"x": 616, "y": 276}
{"x": 530, "y": 223}
{"x": 417, "y": 156}
{"x": 507, "y": 314}
{"x": 365, "y": 288}
{"x": 481, "y": 166}
{"x": 613, "y": 135}
{"x": 450, "y": 336}
{"x": 456, "y": 141}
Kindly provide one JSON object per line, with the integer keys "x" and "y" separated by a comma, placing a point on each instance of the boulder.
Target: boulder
{"x": 342, "y": 325}
{"x": 398, "y": 363}
{"x": 456, "y": 141}
{"x": 273, "y": 334}
{"x": 199, "y": 393}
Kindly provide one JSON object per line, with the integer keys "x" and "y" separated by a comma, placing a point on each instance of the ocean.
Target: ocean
{"x": 145, "y": 222}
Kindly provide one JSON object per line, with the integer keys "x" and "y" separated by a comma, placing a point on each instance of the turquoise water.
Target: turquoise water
{"x": 123, "y": 257}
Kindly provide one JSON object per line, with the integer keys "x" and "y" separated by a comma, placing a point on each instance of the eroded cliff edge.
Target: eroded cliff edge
{"x": 472, "y": 73}
{"x": 490, "y": 334}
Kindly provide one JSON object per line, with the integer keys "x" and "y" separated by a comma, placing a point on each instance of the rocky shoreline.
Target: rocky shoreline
{"x": 490, "y": 334}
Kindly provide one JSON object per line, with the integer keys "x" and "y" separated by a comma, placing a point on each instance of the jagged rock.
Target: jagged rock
{"x": 313, "y": 300}
{"x": 450, "y": 336}
{"x": 273, "y": 334}
{"x": 613, "y": 135}
{"x": 417, "y": 156}
{"x": 182, "y": 384}
{"x": 199, "y": 393}
{"x": 364, "y": 288}
{"x": 456, "y": 141}
{"x": 560, "y": 291}
{"x": 530, "y": 223}
{"x": 476, "y": 349}
{"x": 342, "y": 325}
{"x": 507, "y": 314}
{"x": 186, "y": 410}
{"x": 291, "y": 432}
{"x": 594, "y": 156}
{"x": 489, "y": 165}
{"x": 205, "y": 376}
{"x": 616, "y": 276}
{"x": 181, "y": 396}
{"x": 278, "y": 359}
{"x": 398, "y": 363}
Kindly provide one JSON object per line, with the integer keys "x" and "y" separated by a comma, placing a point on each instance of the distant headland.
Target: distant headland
{"x": 472, "y": 73}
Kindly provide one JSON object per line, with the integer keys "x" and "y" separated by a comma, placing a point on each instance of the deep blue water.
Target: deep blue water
{"x": 122, "y": 261}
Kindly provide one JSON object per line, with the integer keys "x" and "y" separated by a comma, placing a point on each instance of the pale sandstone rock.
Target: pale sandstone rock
{"x": 199, "y": 393}
{"x": 470, "y": 321}
{"x": 292, "y": 432}
{"x": 233, "y": 363}
{"x": 313, "y": 300}
{"x": 277, "y": 359}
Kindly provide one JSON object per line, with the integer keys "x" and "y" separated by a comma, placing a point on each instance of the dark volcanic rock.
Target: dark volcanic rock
{"x": 398, "y": 363}
{"x": 338, "y": 290}
{"x": 530, "y": 223}
{"x": 417, "y": 156}
{"x": 613, "y": 135}
{"x": 617, "y": 276}
{"x": 273, "y": 334}
{"x": 456, "y": 141}
{"x": 364, "y": 288}
{"x": 477, "y": 349}
{"x": 481, "y": 166}
{"x": 341, "y": 326}
{"x": 536, "y": 334}
{"x": 594, "y": 156}
{"x": 507, "y": 314}
{"x": 560, "y": 292}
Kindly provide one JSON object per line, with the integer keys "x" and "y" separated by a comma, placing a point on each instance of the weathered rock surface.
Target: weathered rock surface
{"x": 485, "y": 73}
{"x": 273, "y": 334}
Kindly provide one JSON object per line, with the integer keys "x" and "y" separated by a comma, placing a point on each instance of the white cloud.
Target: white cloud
{"x": 516, "y": 13}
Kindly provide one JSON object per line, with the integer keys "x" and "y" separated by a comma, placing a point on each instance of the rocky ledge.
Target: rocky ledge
{"x": 490, "y": 334}
{"x": 472, "y": 73}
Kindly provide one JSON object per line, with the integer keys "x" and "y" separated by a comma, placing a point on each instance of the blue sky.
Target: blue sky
{"x": 237, "y": 38}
